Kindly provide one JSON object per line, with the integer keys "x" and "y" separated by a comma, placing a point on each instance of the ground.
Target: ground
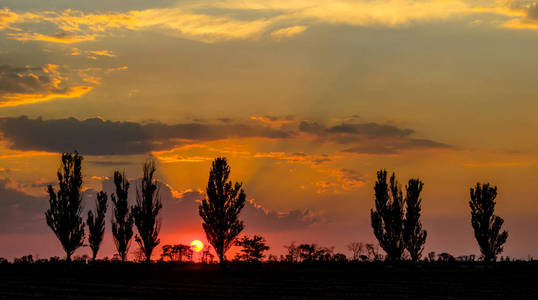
{"x": 514, "y": 280}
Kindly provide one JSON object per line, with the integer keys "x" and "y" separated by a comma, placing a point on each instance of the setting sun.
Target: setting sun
{"x": 197, "y": 245}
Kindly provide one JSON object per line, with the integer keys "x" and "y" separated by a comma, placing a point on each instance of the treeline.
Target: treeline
{"x": 395, "y": 221}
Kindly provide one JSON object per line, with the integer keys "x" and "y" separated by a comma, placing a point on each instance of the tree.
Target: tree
{"x": 221, "y": 207}
{"x": 252, "y": 248}
{"x": 387, "y": 218}
{"x": 176, "y": 253}
{"x": 486, "y": 225}
{"x": 122, "y": 219}
{"x": 414, "y": 236}
{"x": 293, "y": 253}
{"x": 96, "y": 224}
{"x": 207, "y": 256}
{"x": 357, "y": 248}
{"x": 146, "y": 211}
{"x": 64, "y": 215}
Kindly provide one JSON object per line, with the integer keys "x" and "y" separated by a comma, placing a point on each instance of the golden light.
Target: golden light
{"x": 197, "y": 245}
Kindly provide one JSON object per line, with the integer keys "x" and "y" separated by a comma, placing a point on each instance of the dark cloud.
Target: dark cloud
{"x": 99, "y": 137}
{"x": 21, "y": 212}
{"x": 15, "y": 80}
{"x": 369, "y": 138}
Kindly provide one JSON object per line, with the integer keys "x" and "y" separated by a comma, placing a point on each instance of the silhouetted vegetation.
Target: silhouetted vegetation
{"x": 64, "y": 215}
{"x": 221, "y": 207}
{"x": 122, "y": 218}
{"x": 176, "y": 253}
{"x": 387, "y": 218}
{"x": 146, "y": 211}
{"x": 413, "y": 234}
{"x": 96, "y": 223}
{"x": 252, "y": 249}
{"x": 486, "y": 225}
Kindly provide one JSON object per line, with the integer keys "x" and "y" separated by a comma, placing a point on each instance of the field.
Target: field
{"x": 514, "y": 280}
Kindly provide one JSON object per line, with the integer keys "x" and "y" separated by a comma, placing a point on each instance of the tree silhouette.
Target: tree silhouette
{"x": 122, "y": 219}
{"x": 387, "y": 218}
{"x": 357, "y": 248}
{"x": 64, "y": 215}
{"x": 252, "y": 248}
{"x": 146, "y": 211}
{"x": 294, "y": 253}
{"x": 414, "y": 236}
{"x": 486, "y": 225}
{"x": 96, "y": 224}
{"x": 221, "y": 207}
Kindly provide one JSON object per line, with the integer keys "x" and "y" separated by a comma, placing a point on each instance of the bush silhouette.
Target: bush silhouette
{"x": 64, "y": 215}
{"x": 387, "y": 218}
{"x": 96, "y": 224}
{"x": 414, "y": 236}
{"x": 486, "y": 226}
{"x": 221, "y": 207}
{"x": 252, "y": 248}
{"x": 146, "y": 211}
{"x": 122, "y": 218}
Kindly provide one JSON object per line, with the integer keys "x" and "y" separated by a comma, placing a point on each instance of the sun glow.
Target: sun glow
{"x": 197, "y": 245}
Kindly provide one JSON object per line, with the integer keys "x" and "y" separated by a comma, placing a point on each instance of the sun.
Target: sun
{"x": 197, "y": 245}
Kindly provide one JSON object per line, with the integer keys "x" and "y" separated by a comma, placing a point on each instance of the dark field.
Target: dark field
{"x": 515, "y": 280}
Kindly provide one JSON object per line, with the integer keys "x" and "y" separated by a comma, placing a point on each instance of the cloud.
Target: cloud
{"x": 238, "y": 20}
{"x": 99, "y": 137}
{"x": 19, "y": 86}
{"x": 369, "y": 137}
{"x": 296, "y": 157}
{"x": 288, "y": 32}
{"x": 21, "y": 212}
{"x": 180, "y": 211}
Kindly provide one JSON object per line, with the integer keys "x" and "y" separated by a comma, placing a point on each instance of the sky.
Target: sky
{"x": 306, "y": 99}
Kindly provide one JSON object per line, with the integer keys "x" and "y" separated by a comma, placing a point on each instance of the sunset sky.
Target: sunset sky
{"x": 306, "y": 98}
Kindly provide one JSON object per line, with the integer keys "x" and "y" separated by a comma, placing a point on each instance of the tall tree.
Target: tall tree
{"x": 414, "y": 235}
{"x": 96, "y": 223}
{"x": 221, "y": 207}
{"x": 146, "y": 211}
{"x": 486, "y": 226}
{"x": 64, "y": 215}
{"x": 122, "y": 218}
{"x": 252, "y": 248}
{"x": 387, "y": 218}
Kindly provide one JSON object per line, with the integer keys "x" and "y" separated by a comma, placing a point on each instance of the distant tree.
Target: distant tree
{"x": 373, "y": 252}
{"x": 122, "y": 218}
{"x": 146, "y": 211}
{"x": 339, "y": 257}
{"x": 307, "y": 252}
{"x": 96, "y": 224}
{"x": 431, "y": 256}
{"x": 387, "y": 218}
{"x": 64, "y": 215}
{"x": 486, "y": 225}
{"x": 293, "y": 253}
{"x": 445, "y": 257}
{"x": 177, "y": 253}
{"x": 207, "y": 256}
{"x": 252, "y": 248}
{"x": 357, "y": 248}
{"x": 413, "y": 234}
{"x": 221, "y": 207}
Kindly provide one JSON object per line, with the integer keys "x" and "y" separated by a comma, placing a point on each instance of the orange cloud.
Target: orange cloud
{"x": 62, "y": 38}
{"x": 16, "y": 99}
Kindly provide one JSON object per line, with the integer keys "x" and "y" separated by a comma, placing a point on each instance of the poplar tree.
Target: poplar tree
{"x": 146, "y": 211}
{"x": 96, "y": 223}
{"x": 486, "y": 225}
{"x": 64, "y": 215}
{"x": 387, "y": 218}
{"x": 122, "y": 217}
{"x": 221, "y": 207}
{"x": 414, "y": 235}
